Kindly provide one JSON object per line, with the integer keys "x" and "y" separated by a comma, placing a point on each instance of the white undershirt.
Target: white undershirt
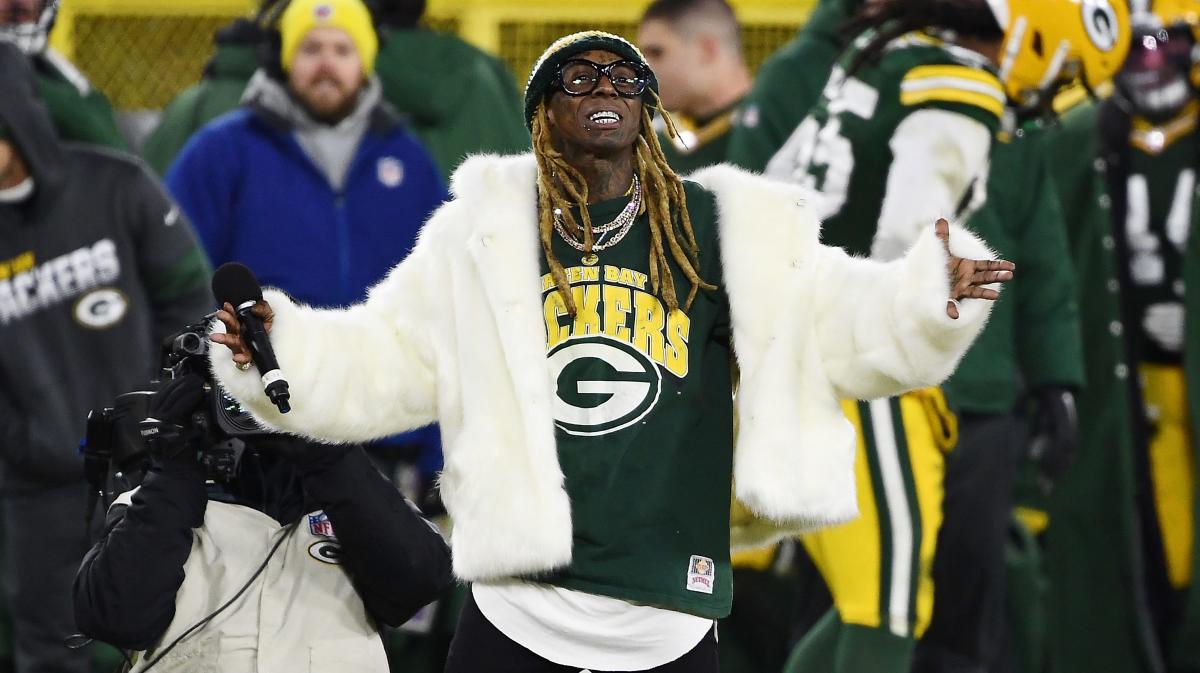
{"x": 18, "y": 192}
{"x": 573, "y": 628}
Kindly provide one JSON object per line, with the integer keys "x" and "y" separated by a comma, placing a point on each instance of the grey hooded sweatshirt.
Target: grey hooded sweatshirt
{"x": 330, "y": 147}
{"x": 97, "y": 266}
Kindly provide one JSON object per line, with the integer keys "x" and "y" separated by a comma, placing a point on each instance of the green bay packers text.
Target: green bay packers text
{"x": 618, "y": 303}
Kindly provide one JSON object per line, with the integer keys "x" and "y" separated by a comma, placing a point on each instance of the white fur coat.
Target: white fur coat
{"x": 455, "y": 335}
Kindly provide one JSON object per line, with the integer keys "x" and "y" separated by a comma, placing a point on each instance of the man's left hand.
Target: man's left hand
{"x": 968, "y": 276}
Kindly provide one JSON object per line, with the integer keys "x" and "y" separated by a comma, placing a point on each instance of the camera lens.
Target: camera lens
{"x": 189, "y": 342}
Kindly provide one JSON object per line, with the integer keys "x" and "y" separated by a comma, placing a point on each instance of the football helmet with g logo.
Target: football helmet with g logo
{"x": 1050, "y": 42}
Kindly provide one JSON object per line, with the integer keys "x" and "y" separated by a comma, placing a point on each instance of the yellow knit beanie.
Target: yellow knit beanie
{"x": 351, "y": 16}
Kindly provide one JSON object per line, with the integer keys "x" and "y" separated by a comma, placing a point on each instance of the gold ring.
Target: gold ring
{"x": 244, "y": 366}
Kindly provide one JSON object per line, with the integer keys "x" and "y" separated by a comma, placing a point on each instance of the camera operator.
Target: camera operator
{"x": 287, "y": 567}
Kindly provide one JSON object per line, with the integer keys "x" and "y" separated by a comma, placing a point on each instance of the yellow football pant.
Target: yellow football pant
{"x": 878, "y": 567}
{"x": 1172, "y": 466}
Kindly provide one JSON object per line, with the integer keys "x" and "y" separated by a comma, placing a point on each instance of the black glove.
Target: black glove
{"x": 168, "y": 428}
{"x": 1053, "y": 433}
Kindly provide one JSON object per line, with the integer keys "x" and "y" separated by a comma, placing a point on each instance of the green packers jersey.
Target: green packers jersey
{"x": 644, "y": 422}
{"x": 701, "y": 142}
{"x": 1160, "y": 188}
{"x": 843, "y": 149}
{"x": 788, "y": 84}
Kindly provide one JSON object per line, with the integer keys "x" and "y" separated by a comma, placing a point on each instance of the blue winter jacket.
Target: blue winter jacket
{"x": 255, "y": 197}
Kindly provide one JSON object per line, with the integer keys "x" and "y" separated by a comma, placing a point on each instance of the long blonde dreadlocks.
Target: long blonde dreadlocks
{"x": 561, "y": 187}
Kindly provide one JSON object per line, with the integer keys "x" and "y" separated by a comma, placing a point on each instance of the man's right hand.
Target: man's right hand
{"x": 232, "y": 338}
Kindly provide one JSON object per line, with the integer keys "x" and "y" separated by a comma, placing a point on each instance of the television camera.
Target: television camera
{"x": 123, "y": 439}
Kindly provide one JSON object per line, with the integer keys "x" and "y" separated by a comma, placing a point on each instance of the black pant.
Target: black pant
{"x": 479, "y": 647}
{"x": 45, "y": 538}
{"x": 968, "y": 623}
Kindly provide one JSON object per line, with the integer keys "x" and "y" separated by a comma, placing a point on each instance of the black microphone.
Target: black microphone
{"x": 236, "y": 284}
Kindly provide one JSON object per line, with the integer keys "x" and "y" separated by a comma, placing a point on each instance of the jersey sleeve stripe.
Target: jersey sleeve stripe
{"x": 956, "y": 71}
{"x": 952, "y": 83}
{"x": 945, "y": 95}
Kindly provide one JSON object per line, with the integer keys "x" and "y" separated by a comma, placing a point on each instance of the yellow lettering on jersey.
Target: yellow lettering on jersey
{"x": 575, "y": 274}
{"x": 639, "y": 280}
{"x": 553, "y": 309}
{"x": 617, "y": 306}
{"x": 662, "y": 337}
{"x": 678, "y": 327}
{"x": 649, "y": 318}
{"x": 23, "y": 262}
{"x": 19, "y": 264}
{"x": 587, "y": 310}
{"x": 627, "y": 277}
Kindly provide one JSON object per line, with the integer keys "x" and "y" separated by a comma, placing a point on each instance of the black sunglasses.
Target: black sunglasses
{"x": 580, "y": 77}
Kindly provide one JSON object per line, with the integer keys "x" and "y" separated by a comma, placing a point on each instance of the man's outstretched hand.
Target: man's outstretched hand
{"x": 968, "y": 276}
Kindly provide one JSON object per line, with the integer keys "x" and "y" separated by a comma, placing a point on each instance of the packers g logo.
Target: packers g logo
{"x": 603, "y": 385}
{"x": 101, "y": 308}
{"x": 1100, "y": 21}
{"x": 326, "y": 551}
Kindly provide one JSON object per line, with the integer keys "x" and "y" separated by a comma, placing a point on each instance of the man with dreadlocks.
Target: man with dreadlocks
{"x": 584, "y": 389}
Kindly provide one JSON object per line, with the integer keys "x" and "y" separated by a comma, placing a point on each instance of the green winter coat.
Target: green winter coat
{"x": 80, "y": 112}
{"x": 1093, "y": 559}
{"x": 1033, "y": 332}
{"x": 219, "y": 92}
{"x": 459, "y": 100}
{"x": 788, "y": 84}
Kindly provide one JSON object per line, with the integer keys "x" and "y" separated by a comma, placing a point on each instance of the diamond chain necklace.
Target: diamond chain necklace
{"x": 621, "y": 224}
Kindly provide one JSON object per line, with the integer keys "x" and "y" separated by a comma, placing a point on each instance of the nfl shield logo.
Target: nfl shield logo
{"x": 323, "y": 12}
{"x": 319, "y": 524}
{"x": 390, "y": 172}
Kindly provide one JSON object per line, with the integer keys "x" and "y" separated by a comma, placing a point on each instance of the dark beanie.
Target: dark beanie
{"x": 564, "y": 48}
